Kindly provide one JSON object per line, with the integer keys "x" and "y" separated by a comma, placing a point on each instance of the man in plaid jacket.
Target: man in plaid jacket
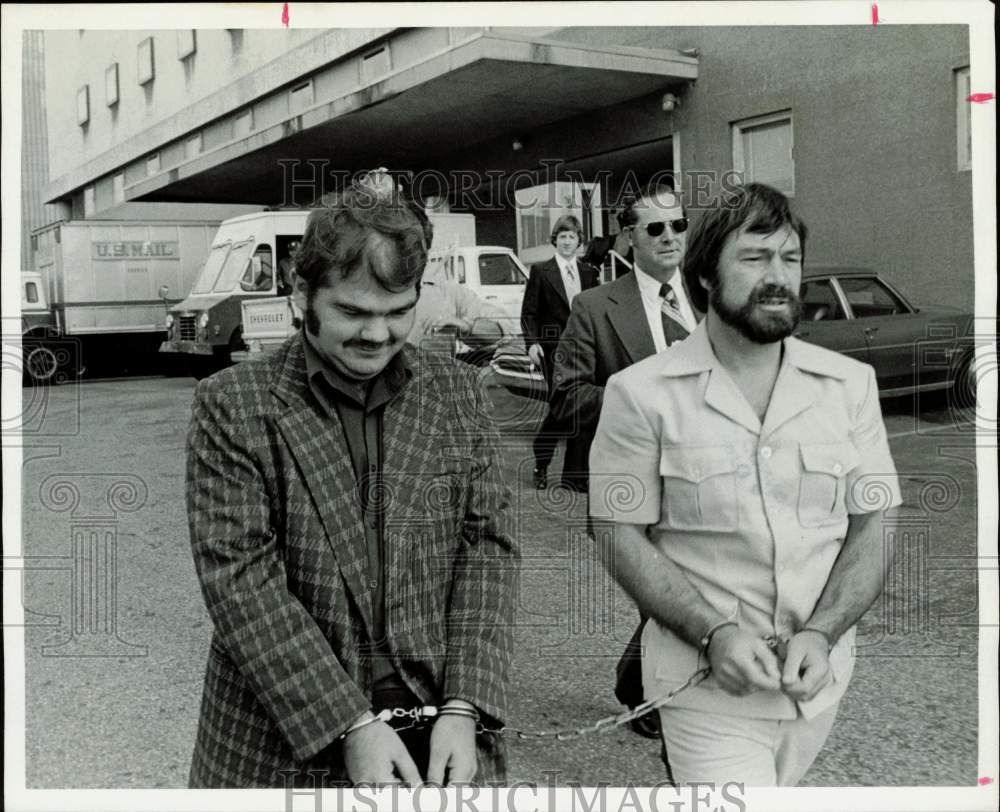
{"x": 350, "y": 530}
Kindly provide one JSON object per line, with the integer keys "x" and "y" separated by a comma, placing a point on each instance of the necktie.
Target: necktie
{"x": 572, "y": 287}
{"x": 671, "y": 309}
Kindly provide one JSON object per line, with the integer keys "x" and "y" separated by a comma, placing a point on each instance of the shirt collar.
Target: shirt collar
{"x": 329, "y": 385}
{"x": 695, "y": 354}
{"x": 650, "y": 287}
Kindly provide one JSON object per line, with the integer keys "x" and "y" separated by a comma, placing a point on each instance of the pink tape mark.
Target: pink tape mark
{"x": 874, "y": 13}
{"x": 985, "y": 781}
{"x": 284, "y": 15}
{"x": 980, "y": 98}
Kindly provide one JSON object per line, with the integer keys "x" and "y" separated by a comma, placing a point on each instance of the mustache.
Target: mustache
{"x": 768, "y": 291}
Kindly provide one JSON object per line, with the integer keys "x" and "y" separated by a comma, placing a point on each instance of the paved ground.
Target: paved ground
{"x": 114, "y": 665}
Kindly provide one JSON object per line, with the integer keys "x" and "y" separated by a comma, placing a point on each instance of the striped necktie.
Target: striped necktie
{"x": 671, "y": 308}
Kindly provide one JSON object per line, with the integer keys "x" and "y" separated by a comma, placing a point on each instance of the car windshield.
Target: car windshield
{"x": 216, "y": 257}
{"x": 234, "y": 266}
{"x": 499, "y": 269}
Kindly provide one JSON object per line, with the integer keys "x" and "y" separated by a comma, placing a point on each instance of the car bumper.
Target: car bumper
{"x": 518, "y": 375}
{"x": 187, "y": 347}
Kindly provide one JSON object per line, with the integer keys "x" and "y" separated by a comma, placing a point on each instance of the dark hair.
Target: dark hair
{"x": 597, "y": 251}
{"x": 366, "y": 227}
{"x": 567, "y": 222}
{"x": 629, "y": 216}
{"x": 758, "y": 208}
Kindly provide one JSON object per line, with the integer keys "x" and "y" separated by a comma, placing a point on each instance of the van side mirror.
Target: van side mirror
{"x": 164, "y": 292}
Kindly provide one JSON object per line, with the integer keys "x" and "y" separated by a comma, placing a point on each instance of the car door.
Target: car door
{"x": 825, "y": 320}
{"x": 501, "y": 281}
{"x": 893, "y": 330}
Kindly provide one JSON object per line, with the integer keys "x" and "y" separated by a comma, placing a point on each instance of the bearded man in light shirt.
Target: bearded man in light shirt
{"x": 761, "y": 474}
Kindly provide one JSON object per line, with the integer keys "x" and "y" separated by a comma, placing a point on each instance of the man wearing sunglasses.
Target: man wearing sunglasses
{"x": 610, "y": 328}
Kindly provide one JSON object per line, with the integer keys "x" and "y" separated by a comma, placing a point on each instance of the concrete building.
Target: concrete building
{"x": 34, "y": 146}
{"x": 862, "y": 125}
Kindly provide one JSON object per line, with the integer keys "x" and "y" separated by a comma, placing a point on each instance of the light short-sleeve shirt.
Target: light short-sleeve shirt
{"x": 753, "y": 514}
{"x": 440, "y": 297}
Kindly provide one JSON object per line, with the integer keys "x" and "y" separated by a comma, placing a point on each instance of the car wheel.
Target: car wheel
{"x": 963, "y": 392}
{"x": 40, "y": 364}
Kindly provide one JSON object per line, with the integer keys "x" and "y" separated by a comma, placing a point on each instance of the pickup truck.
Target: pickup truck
{"x": 492, "y": 271}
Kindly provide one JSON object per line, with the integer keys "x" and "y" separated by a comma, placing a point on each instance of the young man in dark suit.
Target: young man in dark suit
{"x": 613, "y": 327}
{"x": 551, "y": 288}
{"x": 338, "y": 592}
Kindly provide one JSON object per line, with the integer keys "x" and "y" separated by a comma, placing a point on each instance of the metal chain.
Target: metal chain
{"x": 421, "y": 716}
{"x": 601, "y": 725}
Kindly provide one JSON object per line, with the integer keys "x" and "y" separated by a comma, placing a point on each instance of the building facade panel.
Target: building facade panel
{"x": 876, "y": 167}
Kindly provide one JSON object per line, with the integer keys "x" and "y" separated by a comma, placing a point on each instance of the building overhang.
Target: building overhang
{"x": 473, "y": 91}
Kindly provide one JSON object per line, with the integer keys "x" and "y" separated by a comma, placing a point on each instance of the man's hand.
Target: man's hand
{"x": 536, "y": 354}
{"x": 807, "y": 665}
{"x": 743, "y": 663}
{"x": 374, "y": 754}
{"x": 453, "y": 751}
{"x": 442, "y": 323}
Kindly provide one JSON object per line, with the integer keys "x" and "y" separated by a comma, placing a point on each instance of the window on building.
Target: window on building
{"x": 963, "y": 89}
{"x": 192, "y": 146}
{"x": 153, "y": 164}
{"x": 111, "y": 85}
{"x": 534, "y": 228}
{"x": 118, "y": 188}
{"x": 375, "y": 64}
{"x": 89, "y": 201}
{"x": 870, "y": 298}
{"x": 187, "y": 43}
{"x": 300, "y": 97}
{"x": 144, "y": 57}
{"x": 763, "y": 151}
{"x": 83, "y": 105}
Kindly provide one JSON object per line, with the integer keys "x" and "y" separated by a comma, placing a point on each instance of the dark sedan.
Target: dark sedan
{"x": 856, "y": 312}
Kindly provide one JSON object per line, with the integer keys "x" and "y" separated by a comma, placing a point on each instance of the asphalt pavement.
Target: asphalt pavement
{"x": 115, "y": 654}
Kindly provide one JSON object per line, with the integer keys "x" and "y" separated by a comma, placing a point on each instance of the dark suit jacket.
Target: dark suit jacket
{"x": 606, "y": 332}
{"x": 280, "y": 552}
{"x": 545, "y": 308}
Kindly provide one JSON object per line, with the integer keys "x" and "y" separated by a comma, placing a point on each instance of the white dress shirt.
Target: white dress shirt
{"x": 649, "y": 288}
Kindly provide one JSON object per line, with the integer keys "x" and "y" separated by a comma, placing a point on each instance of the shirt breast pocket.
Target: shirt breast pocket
{"x": 823, "y": 482}
{"x": 699, "y": 488}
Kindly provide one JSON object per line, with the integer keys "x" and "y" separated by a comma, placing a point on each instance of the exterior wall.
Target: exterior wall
{"x": 876, "y": 175}
{"x": 229, "y": 68}
{"x": 34, "y": 147}
{"x": 873, "y": 108}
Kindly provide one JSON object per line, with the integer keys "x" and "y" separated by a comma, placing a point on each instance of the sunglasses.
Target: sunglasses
{"x": 655, "y": 229}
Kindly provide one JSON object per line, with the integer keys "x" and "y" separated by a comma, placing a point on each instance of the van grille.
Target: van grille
{"x": 186, "y": 328}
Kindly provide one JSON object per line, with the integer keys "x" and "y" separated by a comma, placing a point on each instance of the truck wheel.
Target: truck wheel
{"x": 40, "y": 364}
{"x": 963, "y": 391}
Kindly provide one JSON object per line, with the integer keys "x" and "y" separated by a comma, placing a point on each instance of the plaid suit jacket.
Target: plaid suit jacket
{"x": 280, "y": 553}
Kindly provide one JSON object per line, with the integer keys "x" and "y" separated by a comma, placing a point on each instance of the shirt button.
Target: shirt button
{"x": 765, "y": 452}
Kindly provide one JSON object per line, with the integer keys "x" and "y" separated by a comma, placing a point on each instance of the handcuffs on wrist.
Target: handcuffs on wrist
{"x": 418, "y": 715}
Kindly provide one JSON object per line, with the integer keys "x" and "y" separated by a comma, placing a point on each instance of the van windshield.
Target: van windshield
{"x": 216, "y": 257}
{"x": 234, "y": 267}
